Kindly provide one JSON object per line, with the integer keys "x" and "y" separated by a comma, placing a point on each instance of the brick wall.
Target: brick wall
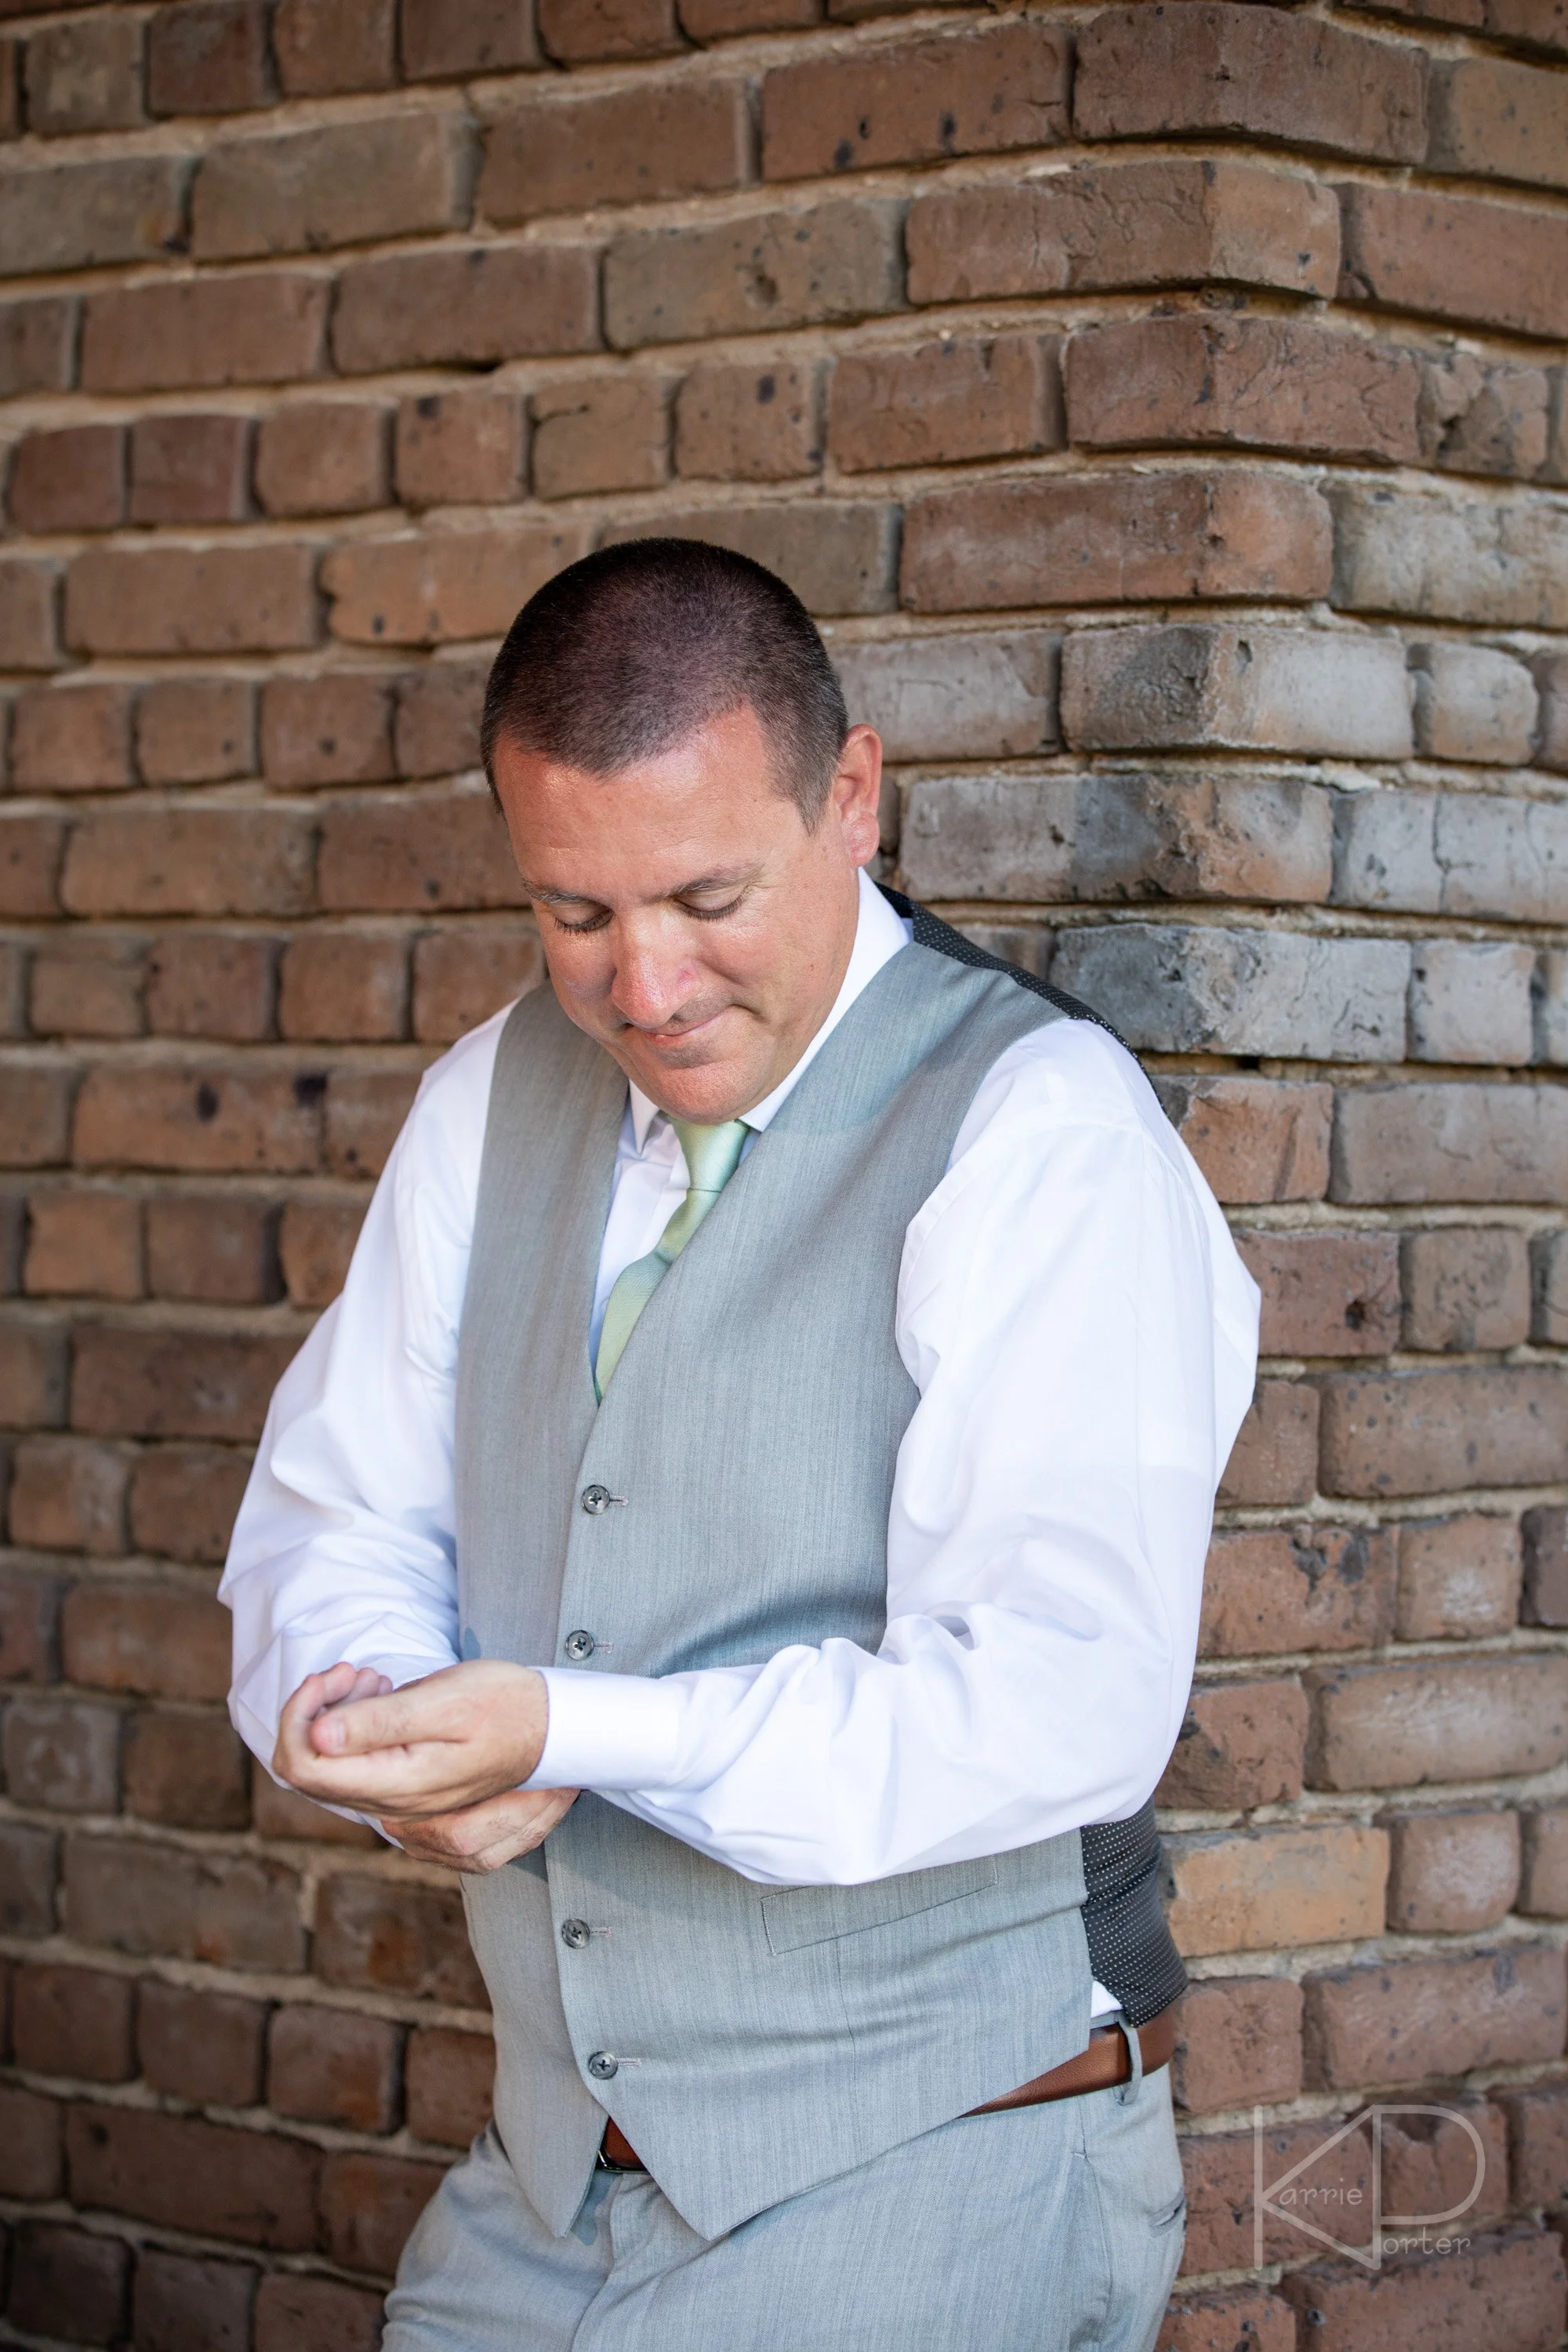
{"x": 1163, "y": 408}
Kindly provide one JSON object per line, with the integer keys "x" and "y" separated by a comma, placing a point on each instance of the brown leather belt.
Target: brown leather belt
{"x": 1105, "y": 2062}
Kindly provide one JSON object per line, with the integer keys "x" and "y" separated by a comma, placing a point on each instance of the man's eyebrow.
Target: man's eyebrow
{"x": 729, "y": 880}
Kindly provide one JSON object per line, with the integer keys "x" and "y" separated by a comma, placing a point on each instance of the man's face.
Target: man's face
{"x": 690, "y": 921}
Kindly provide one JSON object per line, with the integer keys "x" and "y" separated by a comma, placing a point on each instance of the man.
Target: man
{"x": 778, "y": 1392}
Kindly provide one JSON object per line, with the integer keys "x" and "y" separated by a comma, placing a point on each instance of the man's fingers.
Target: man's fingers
{"x": 484, "y": 1837}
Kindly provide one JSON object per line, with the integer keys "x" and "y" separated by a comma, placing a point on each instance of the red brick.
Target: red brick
{"x": 714, "y": 20}
{"x": 30, "y": 2144}
{"x": 328, "y": 2066}
{"x": 1544, "y": 1531}
{"x": 442, "y": 38}
{"x": 1325, "y": 1294}
{"x": 181, "y": 2172}
{"x": 30, "y": 849}
{"x": 450, "y": 2078}
{"x": 997, "y": 545}
{"x": 1452, "y": 1870}
{"x": 283, "y": 1813}
{"x": 82, "y": 1244}
{"x": 1466, "y": 1288}
{"x": 66, "y": 2283}
{"x": 316, "y": 1243}
{"x": 331, "y": 729}
{"x": 918, "y": 102}
{"x": 77, "y": 2021}
{"x": 625, "y": 146}
{"x": 344, "y": 984}
{"x": 1390, "y": 1727}
{"x": 213, "y": 1245}
{"x": 469, "y": 307}
{"x": 1543, "y": 1892}
{"x": 1228, "y": 2318}
{"x": 190, "y": 470}
{"x": 1254, "y": 1890}
{"x": 208, "y": 56}
{"x": 1239, "y": 2044}
{"x": 1431, "y": 2163}
{"x": 202, "y": 2046}
{"x": 165, "y": 1640}
{"x": 190, "y": 1771}
{"x": 182, "y": 2300}
{"x": 213, "y": 984}
{"x": 600, "y": 433}
{"x": 68, "y": 1494}
{"x": 1450, "y": 1143}
{"x": 195, "y": 730}
{"x": 342, "y": 183}
{"x": 1220, "y": 2168}
{"x": 315, "y": 2315}
{"x": 370, "y": 2204}
{"x": 1500, "y": 120}
{"x": 1458, "y": 1578}
{"x": 28, "y": 608}
{"x": 1537, "y": 2117}
{"x": 251, "y": 327}
{"x": 1240, "y": 1745}
{"x": 210, "y": 1116}
{"x": 1505, "y": 2292}
{"x": 27, "y": 1908}
{"x": 421, "y": 851}
{"x": 232, "y": 1911}
{"x": 32, "y": 1376}
{"x": 838, "y": 261}
{"x": 1272, "y": 1590}
{"x": 29, "y": 1609}
{"x": 323, "y": 47}
{"x": 435, "y": 728}
{"x": 171, "y": 1383}
{"x": 69, "y": 479}
{"x": 38, "y": 345}
{"x": 87, "y": 984}
{"x": 187, "y": 600}
{"x": 62, "y": 1753}
{"x": 365, "y": 1109}
{"x": 1207, "y": 67}
{"x": 182, "y": 1504}
{"x": 460, "y": 449}
{"x": 381, "y": 1934}
{"x": 1422, "y": 1433}
{"x": 837, "y": 555}
{"x": 945, "y": 402}
{"x": 1254, "y": 1139}
{"x": 1404, "y": 2021}
{"x": 323, "y": 456}
{"x": 580, "y": 32}
{"x": 748, "y": 424}
{"x": 84, "y": 77}
{"x": 460, "y": 978}
{"x": 447, "y": 585}
{"x": 1456, "y": 257}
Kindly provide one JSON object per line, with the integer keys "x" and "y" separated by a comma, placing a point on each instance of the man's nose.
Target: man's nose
{"x": 649, "y": 987}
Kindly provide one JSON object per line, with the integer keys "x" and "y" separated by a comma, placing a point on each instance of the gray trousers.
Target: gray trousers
{"x": 1049, "y": 2229}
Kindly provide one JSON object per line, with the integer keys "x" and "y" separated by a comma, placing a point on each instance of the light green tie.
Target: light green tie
{"x": 712, "y": 1156}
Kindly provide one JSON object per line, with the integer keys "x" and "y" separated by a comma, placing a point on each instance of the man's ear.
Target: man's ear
{"x": 855, "y": 796}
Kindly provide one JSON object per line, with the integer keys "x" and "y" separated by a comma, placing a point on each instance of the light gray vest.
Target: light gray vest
{"x": 750, "y": 2041}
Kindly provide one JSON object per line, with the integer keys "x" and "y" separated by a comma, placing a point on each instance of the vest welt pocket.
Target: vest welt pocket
{"x": 797, "y": 1915}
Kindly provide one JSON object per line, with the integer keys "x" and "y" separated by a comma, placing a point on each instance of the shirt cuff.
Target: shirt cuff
{"x": 608, "y": 1731}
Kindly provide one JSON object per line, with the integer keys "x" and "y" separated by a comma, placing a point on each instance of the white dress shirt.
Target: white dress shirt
{"x": 1083, "y": 1338}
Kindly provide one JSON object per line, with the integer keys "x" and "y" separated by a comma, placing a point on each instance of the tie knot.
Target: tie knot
{"x": 713, "y": 1153}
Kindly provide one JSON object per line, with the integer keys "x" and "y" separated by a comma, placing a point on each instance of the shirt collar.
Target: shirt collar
{"x": 879, "y": 933}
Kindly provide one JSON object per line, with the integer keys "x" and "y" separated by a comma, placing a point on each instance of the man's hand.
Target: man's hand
{"x": 439, "y": 1748}
{"x": 484, "y": 1837}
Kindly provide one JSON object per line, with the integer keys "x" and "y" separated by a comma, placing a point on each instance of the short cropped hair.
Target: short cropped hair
{"x": 623, "y": 654}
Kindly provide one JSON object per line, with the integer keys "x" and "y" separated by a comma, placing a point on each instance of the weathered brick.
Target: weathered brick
{"x": 1543, "y": 1890}
{"x": 182, "y": 1503}
{"x": 1473, "y": 704}
{"x": 443, "y": 585}
{"x": 190, "y": 468}
{"x": 322, "y": 48}
{"x": 232, "y": 1911}
{"x": 340, "y": 985}
{"x": 196, "y": 1116}
{"x": 421, "y": 851}
{"x": 1545, "y": 1532}
{"x": 381, "y": 1934}
{"x": 368, "y": 2205}
{"x": 1492, "y": 119}
{"x": 87, "y": 984}
{"x": 195, "y": 730}
{"x": 68, "y": 2021}
{"x": 945, "y": 401}
{"x": 918, "y": 102}
{"x": 1466, "y": 1287}
{"x": 448, "y": 2082}
{"x": 1481, "y": 419}
{"x": 37, "y": 344}
{"x": 1458, "y": 1578}
{"x": 212, "y": 985}
{"x": 30, "y": 602}
{"x": 436, "y": 725}
{"x": 92, "y": 214}
{"x": 315, "y": 1244}
{"x": 1269, "y": 1589}
{"x": 171, "y": 1383}
{"x": 32, "y": 1375}
{"x": 469, "y": 307}
{"x": 331, "y": 729}
{"x": 184, "y": 2299}
{"x": 213, "y": 1245}
{"x": 1550, "y": 1008}
{"x": 68, "y": 2282}
{"x": 1549, "y": 1288}
{"x": 438, "y": 39}
{"x": 328, "y": 2066}
{"x": 189, "y": 860}
{"x": 1450, "y": 1143}
{"x": 190, "y": 1771}
{"x": 600, "y": 433}
{"x": 1258, "y": 384}
{"x": 365, "y": 1108}
{"x": 68, "y": 1494}
{"x": 580, "y": 32}
{"x": 1503, "y": 2291}
{"x": 1432, "y": 2164}
{"x": 831, "y": 261}
{"x": 27, "y": 1908}
{"x": 1395, "y": 1727}
{"x": 1291, "y": 995}
{"x": 1227, "y": 2317}
{"x": 748, "y": 424}
{"x": 1470, "y": 1001}
{"x": 297, "y": 2314}
{"x": 85, "y": 77}
{"x": 1275, "y": 1457}
{"x": 63, "y": 1753}
{"x": 460, "y": 978}
{"x": 836, "y": 555}
{"x": 29, "y": 1610}
{"x": 460, "y": 449}
{"x": 283, "y": 1813}
{"x": 72, "y": 478}
{"x": 1456, "y": 257}
{"x": 1248, "y": 1891}
{"x": 1552, "y": 678}
{"x": 715, "y": 20}
{"x": 202, "y": 2046}
{"x": 208, "y": 56}
{"x": 1470, "y": 561}
{"x": 30, "y": 2137}
{"x": 323, "y": 456}
{"x": 1058, "y": 541}
{"x": 1422, "y": 1433}
{"x": 1255, "y": 1139}
{"x": 969, "y": 697}
{"x": 1452, "y": 1870}
{"x": 83, "y": 1243}
{"x": 650, "y": 140}
{"x": 177, "y": 600}
{"x": 251, "y": 326}
{"x": 180, "y": 2171}
{"x": 1277, "y": 689}
{"x": 346, "y": 183}
{"x": 1325, "y": 1294}
{"x": 1240, "y": 1745}
{"x": 1239, "y": 2044}
{"x": 1221, "y": 2172}
{"x": 72, "y": 739}
{"x": 167, "y": 1641}
{"x": 1399, "y": 2023}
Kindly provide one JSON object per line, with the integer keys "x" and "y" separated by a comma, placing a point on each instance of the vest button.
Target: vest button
{"x": 579, "y": 1646}
{"x": 596, "y": 1499}
{"x": 575, "y": 1934}
{"x": 601, "y": 2066}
